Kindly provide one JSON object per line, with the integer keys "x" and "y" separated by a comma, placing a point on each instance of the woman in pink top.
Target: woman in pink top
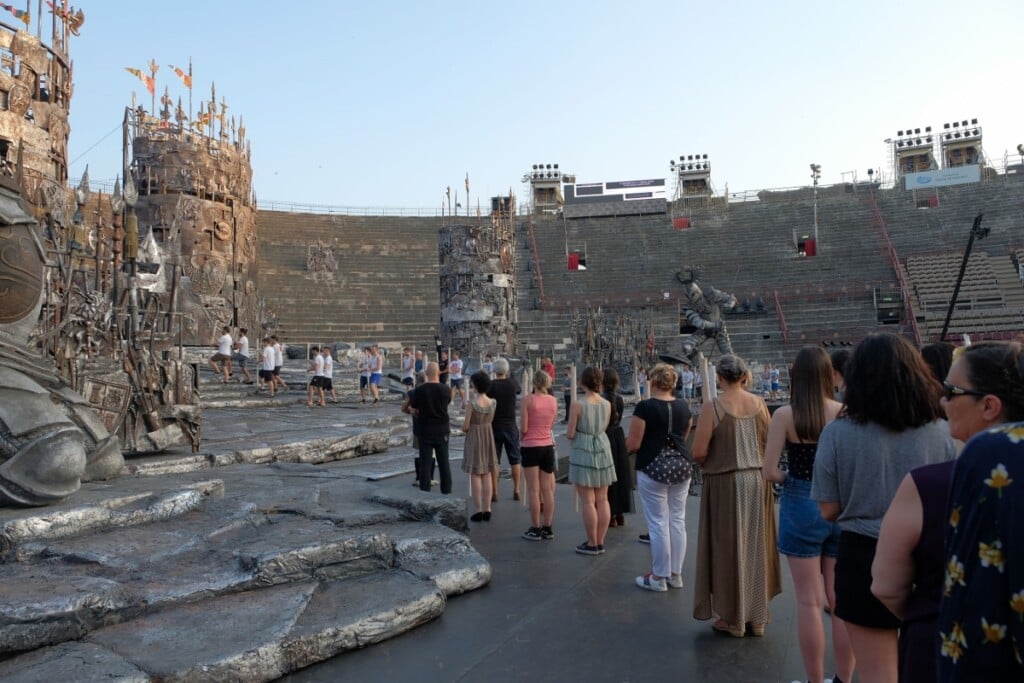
{"x": 537, "y": 415}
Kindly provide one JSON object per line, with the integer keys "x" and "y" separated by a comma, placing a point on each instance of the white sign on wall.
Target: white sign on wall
{"x": 958, "y": 175}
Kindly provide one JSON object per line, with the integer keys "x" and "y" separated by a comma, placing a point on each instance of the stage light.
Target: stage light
{"x": 705, "y": 156}
{"x": 535, "y": 167}
{"x": 956, "y": 124}
{"x": 899, "y": 133}
{"x": 556, "y": 165}
{"x": 965, "y": 122}
{"x": 974, "y": 122}
{"x": 1020, "y": 150}
{"x": 928, "y": 129}
{"x": 917, "y": 131}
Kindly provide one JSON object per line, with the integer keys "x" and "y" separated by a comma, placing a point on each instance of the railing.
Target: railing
{"x": 536, "y": 260}
{"x": 878, "y": 221}
{"x": 782, "y": 317}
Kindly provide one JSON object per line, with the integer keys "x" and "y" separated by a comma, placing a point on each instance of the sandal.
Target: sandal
{"x": 734, "y": 631}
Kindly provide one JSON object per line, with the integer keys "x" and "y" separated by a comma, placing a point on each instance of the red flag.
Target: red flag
{"x": 149, "y": 81}
{"x": 19, "y": 14}
{"x": 185, "y": 78}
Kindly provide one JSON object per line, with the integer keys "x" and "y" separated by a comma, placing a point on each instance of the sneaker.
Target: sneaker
{"x": 547, "y": 533}
{"x": 650, "y": 582}
{"x": 645, "y": 538}
{"x": 533, "y": 534}
{"x": 600, "y": 549}
{"x": 584, "y": 549}
{"x": 675, "y": 581}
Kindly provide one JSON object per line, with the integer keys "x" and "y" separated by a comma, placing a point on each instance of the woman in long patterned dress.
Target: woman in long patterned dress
{"x": 737, "y": 566}
{"x": 591, "y": 467}
{"x": 480, "y": 457}
{"x": 620, "y": 494}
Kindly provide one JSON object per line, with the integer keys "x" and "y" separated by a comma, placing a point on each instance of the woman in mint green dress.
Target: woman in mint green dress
{"x": 591, "y": 467}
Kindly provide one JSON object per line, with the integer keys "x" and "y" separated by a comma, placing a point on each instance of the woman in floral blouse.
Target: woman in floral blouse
{"x": 981, "y": 618}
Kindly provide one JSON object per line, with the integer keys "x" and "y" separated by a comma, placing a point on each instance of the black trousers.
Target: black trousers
{"x": 432, "y": 447}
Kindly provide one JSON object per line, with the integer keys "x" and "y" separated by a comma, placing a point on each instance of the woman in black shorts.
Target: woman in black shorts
{"x": 537, "y": 416}
{"x": 891, "y": 424}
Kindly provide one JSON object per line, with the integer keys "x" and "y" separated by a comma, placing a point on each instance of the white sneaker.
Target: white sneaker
{"x": 675, "y": 581}
{"x": 652, "y": 583}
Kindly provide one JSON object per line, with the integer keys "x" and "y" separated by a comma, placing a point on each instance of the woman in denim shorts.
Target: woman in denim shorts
{"x": 809, "y": 543}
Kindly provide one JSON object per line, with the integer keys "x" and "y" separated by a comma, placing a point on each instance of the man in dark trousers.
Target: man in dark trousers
{"x": 506, "y": 430}
{"x": 428, "y": 403}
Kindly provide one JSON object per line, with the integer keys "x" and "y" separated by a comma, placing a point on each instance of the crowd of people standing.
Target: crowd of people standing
{"x": 912, "y": 549}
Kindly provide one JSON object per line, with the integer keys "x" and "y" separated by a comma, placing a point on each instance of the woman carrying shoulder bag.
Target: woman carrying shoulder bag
{"x": 664, "y": 503}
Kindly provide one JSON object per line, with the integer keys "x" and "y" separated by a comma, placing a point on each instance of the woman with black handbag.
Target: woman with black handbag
{"x": 657, "y": 433}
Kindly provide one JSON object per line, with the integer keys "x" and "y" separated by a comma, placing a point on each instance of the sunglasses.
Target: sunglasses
{"x": 951, "y": 391}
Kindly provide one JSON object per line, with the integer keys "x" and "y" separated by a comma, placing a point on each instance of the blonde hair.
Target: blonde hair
{"x": 542, "y": 382}
{"x": 663, "y": 377}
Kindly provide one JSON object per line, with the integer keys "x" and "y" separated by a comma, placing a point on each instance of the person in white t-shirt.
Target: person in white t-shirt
{"x": 408, "y": 368}
{"x": 325, "y": 351}
{"x": 241, "y": 353}
{"x": 364, "y": 374}
{"x": 316, "y": 366}
{"x": 267, "y": 361}
{"x": 376, "y": 372}
{"x": 455, "y": 376}
{"x": 278, "y": 362}
{"x": 223, "y": 355}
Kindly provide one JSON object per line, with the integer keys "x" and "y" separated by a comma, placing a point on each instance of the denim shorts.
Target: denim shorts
{"x": 803, "y": 532}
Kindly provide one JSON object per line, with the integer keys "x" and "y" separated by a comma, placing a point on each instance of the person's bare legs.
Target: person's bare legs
{"x": 841, "y": 649}
{"x": 589, "y": 510}
{"x": 810, "y": 600}
{"x": 604, "y": 513}
{"x": 517, "y": 477}
{"x": 494, "y": 485}
{"x": 485, "y": 491}
{"x": 477, "y": 484}
{"x": 547, "y": 496}
{"x": 877, "y": 651}
{"x": 532, "y": 487}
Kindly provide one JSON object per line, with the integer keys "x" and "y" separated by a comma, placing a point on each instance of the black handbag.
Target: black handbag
{"x": 674, "y": 463}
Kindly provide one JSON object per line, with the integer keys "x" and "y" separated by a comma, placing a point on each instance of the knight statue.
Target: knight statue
{"x": 701, "y": 318}
{"x": 50, "y": 438}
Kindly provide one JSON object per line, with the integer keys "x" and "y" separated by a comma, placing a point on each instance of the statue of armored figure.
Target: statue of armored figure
{"x": 701, "y": 319}
{"x": 50, "y": 438}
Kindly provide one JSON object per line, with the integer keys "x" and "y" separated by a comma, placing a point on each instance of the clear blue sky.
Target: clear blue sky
{"x": 385, "y": 103}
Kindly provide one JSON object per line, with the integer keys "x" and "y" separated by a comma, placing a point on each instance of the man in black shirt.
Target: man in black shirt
{"x": 428, "y": 403}
{"x": 506, "y": 430}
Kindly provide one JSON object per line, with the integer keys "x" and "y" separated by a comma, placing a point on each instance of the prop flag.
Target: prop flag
{"x": 18, "y": 14}
{"x": 148, "y": 80}
{"x": 186, "y": 78}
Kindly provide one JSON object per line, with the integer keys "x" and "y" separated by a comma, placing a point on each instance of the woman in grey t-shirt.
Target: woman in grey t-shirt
{"x": 891, "y": 425}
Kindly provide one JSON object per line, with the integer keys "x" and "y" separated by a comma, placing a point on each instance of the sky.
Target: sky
{"x": 384, "y": 104}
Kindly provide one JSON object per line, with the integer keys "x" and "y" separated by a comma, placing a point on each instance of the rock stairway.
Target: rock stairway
{"x": 259, "y": 572}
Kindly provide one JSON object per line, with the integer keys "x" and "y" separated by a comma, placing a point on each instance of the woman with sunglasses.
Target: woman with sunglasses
{"x": 983, "y": 387}
{"x": 891, "y": 424}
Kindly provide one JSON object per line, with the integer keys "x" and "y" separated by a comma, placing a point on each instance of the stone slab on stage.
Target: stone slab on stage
{"x": 281, "y": 565}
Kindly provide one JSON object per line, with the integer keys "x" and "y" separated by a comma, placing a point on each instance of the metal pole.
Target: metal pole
{"x": 976, "y": 231}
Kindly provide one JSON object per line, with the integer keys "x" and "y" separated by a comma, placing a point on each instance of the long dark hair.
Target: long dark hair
{"x": 888, "y": 383}
{"x": 610, "y": 385}
{"x": 810, "y": 386}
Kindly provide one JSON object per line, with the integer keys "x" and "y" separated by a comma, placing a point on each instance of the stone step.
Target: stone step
{"x": 294, "y": 565}
{"x": 254, "y": 636}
